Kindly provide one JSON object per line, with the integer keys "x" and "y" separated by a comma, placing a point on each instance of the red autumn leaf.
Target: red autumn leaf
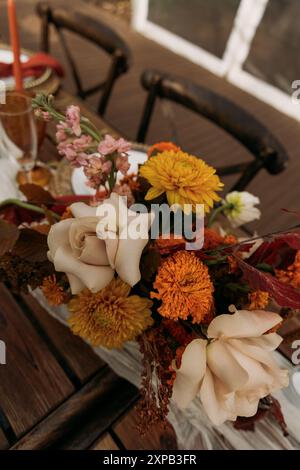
{"x": 290, "y": 238}
{"x": 18, "y": 215}
{"x": 70, "y": 198}
{"x": 278, "y": 250}
{"x": 283, "y": 294}
{"x": 9, "y": 234}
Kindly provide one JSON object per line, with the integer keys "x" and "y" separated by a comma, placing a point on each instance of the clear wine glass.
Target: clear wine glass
{"x": 18, "y": 133}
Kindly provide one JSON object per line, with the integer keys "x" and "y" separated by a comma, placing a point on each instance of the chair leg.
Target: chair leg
{"x": 246, "y": 178}
{"x": 113, "y": 74}
{"x": 44, "y": 13}
{"x": 147, "y": 114}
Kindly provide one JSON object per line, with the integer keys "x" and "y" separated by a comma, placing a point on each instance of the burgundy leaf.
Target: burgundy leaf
{"x": 31, "y": 246}
{"x": 283, "y": 294}
{"x": 291, "y": 238}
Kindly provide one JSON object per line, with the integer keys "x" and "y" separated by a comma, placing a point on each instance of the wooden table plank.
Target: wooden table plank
{"x": 31, "y": 383}
{"x": 105, "y": 443}
{"x": 3, "y": 441}
{"x": 79, "y": 357}
{"x": 79, "y": 421}
{"x": 290, "y": 331}
{"x": 157, "y": 438}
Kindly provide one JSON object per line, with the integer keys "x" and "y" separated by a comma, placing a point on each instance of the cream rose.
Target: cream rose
{"x": 90, "y": 250}
{"x": 235, "y": 369}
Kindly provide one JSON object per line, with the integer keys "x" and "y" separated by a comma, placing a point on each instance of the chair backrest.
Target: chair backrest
{"x": 267, "y": 151}
{"x": 91, "y": 30}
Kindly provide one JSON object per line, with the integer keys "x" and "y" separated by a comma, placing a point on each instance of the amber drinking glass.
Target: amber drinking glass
{"x": 18, "y": 132}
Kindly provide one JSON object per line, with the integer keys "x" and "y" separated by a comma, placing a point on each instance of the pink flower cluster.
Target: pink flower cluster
{"x": 120, "y": 147}
{"x": 110, "y": 145}
{"x": 97, "y": 170}
{"x": 81, "y": 150}
{"x": 75, "y": 150}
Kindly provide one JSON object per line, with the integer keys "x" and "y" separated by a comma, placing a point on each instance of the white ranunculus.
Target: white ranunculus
{"x": 240, "y": 207}
{"x": 234, "y": 369}
{"x": 82, "y": 248}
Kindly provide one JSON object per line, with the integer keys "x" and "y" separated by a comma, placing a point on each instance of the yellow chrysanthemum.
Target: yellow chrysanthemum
{"x": 110, "y": 317}
{"x": 184, "y": 178}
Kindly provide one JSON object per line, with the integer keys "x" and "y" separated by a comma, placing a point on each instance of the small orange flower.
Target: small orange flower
{"x": 131, "y": 181}
{"x": 233, "y": 264}
{"x": 230, "y": 239}
{"x": 258, "y": 300}
{"x": 290, "y": 276}
{"x": 185, "y": 288}
{"x": 212, "y": 239}
{"x": 54, "y": 293}
{"x": 67, "y": 214}
{"x": 166, "y": 245}
{"x": 161, "y": 147}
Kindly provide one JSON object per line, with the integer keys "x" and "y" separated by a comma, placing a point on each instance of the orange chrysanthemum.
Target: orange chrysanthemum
{"x": 258, "y": 300}
{"x": 161, "y": 147}
{"x": 291, "y": 275}
{"x": 185, "y": 179}
{"x": 185, "y": 288}
{"x": 53, "y": 292}
{"x": 110, "y": 317}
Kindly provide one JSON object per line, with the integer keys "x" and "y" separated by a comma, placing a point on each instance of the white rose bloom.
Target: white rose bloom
{"x": 235, "y": 369}
{"x": 241, "y": 208}
{"x": 89, "y": 254}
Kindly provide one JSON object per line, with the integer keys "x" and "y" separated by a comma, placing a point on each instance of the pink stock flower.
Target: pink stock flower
{"x": 106, "y": 167}
{"x": 73, "y": 119}
{"x": 82, "y": 159}
{"x": 110, "y": 145}
{"x": 123, "y": 145}
{"x": 82, "y": 143}
{"x": 61, "y": 134}
{"x": 44, "y": 115}
{"x": 94, "y": 171}
{"x": 74, "y": 151}
{"x": 122, "y": 164}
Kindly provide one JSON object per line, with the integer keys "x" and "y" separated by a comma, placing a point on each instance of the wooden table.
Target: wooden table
{"x": 54, "y": 391}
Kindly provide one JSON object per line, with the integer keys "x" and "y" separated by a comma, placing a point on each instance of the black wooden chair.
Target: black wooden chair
{"x": 91, "y": 30}
{"x": 267, "y": 151}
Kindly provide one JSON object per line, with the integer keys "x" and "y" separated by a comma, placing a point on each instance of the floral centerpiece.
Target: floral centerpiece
{"x": 203, "y": 305}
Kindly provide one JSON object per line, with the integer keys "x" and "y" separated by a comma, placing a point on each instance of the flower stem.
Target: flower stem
{"x": 28, "y": 206}
{"x": 214, "y": 214}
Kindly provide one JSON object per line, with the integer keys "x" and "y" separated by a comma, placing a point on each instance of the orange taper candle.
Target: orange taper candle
{"x": 15, "y": 43}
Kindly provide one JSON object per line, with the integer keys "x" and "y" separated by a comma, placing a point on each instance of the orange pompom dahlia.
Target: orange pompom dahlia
{"x": 185, "y": 288}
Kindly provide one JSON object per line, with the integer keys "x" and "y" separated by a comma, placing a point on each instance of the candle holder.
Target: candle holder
{"x": 20, "y": 138}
